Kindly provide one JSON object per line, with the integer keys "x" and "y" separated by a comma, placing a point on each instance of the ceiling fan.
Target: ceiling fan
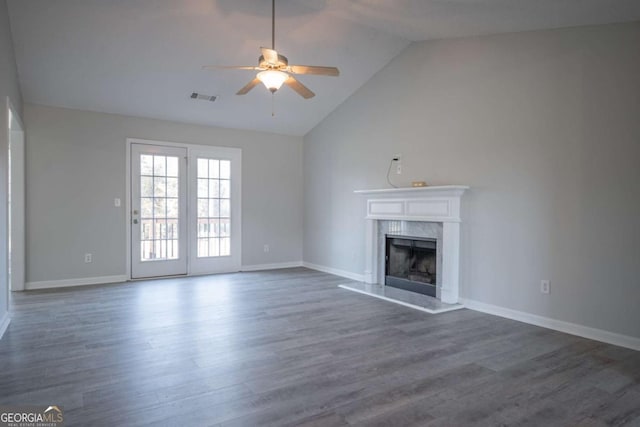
{"x": 274, "y": 69}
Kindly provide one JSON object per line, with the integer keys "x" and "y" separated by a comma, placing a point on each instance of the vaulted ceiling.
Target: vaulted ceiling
{"x": 144, "y": 57}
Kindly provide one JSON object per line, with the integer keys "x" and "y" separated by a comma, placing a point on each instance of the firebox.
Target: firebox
{"x": 411, "y": 264}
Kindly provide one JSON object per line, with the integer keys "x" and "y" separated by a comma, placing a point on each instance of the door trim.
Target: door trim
{"x": 12, "y": 112}
{"x": 127, "y": 203}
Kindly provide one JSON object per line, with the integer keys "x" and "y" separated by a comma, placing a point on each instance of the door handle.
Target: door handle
{"x": 135, "y": 221}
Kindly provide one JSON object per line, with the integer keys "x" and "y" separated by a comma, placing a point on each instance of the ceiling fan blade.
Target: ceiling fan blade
{"x": 229, "y": 67}
{"x": 270, "y": 55}
{"x": 313, "y": 69}
{"x": 302, "y": 90}
{"x": 253, "y": 83}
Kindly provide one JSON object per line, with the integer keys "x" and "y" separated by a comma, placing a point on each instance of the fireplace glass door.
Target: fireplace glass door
{"x": 411, "y": 264}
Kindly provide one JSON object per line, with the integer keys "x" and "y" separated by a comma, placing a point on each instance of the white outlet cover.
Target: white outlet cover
{"x": 545, "y": 286}
{"x": 116, "y": 202}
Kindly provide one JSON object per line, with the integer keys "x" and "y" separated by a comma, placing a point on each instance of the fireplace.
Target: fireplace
{"x": 411, "y": 264}
{"x": 416, "y": 206}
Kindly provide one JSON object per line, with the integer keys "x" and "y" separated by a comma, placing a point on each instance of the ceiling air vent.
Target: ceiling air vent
{"x": 196, "y": 95}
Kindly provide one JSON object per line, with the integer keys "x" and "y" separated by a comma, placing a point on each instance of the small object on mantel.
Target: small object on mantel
{"x": 418, "y": 184}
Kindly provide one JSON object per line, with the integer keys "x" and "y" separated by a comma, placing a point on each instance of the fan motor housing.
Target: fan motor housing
{"x": 282, "y": 62}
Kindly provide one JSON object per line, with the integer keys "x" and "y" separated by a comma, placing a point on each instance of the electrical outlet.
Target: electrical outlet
{"x": 266, "y": 248}
{"x": 399, "y": 168}
{"x": 88, "y": 258}
{"x": 116, "y": 202}
{"x": 545, "y": 286}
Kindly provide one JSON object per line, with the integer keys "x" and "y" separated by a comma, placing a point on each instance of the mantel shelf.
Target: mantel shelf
{"x": 440, "y": 190}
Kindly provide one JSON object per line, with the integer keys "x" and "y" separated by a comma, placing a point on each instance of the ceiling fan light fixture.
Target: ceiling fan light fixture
{"x": 272, "y": 79}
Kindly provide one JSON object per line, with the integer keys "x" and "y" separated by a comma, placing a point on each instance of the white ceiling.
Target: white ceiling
{"x": 144, "y": 57}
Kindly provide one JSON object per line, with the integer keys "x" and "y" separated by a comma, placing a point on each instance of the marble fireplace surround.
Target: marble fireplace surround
{"x": 415, "y": 210}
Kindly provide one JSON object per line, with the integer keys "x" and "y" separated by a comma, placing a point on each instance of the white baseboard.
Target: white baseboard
{"x": 83, "y": 281}
{"x": 337, "y": 272}
{"x": 274, "y": 266}
{"x": 557, "y": 325}
{"x": 4, "y": 324}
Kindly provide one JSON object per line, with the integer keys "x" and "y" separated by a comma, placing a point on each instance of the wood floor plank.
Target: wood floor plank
{"x": 289, "y": 348}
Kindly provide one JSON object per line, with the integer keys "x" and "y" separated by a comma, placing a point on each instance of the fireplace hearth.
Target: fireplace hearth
{"x": 411, "y": 264}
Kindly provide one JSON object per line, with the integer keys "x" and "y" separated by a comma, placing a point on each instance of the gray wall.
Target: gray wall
{"x": 8, "y": 87}
{"x": 76, "y": 167}
{"x": 544, "y": 126}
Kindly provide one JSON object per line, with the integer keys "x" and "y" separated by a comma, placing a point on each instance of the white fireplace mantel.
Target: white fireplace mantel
{"x": 427, "y": 204}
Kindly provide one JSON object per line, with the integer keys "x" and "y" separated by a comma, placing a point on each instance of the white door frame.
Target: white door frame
{"x": 12, "y": 113}
{"x": 191, "y": 148}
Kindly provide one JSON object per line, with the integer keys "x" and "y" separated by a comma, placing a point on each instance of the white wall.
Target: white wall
{"x": 76, "y": 167}
{"x": 545, "y": 128}
{"x": 8, "y": 88}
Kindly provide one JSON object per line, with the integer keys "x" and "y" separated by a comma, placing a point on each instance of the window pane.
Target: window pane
{"x": 159, "y": 187}
{"x": 214, "y": 208}
{"x": 159, "y": 201}
{"x": 203, "y": 208}
{"x": 147, "y": 248}
{"x": 160, "y": 229}
{"x": 159, "y": 165}
{"x": 203, "y": 191}
{"x": 172, "y": 166}
{"x": 157, "y": 249}
{"x": 146, "y": 164}
{"x": 159, "y": 208}
{"x": 224, "y": 188}
{"x": 172, "y": 187}
{"x": 225, "y": 169}
{"x": 214, "y": 188}
{"x": 225, "y": 246}
{"x": 214, "y": 228}
{"x": 163, "y": 249}
{"x": 146, "y": 230}
{"x": 203, "y": 168}
{"x": 214, "y": 247}
{"x": 213, "y": 195}
{"x": 214, "y": 168}
{"x": 225, "y": 227}
{"x": 203, "y": 228}
{"x": 224, "y": 208}
{"x": 172, "y": 228}
{"x": 203, "y": 247}
{"x": 146, "y": 207}
{"x": 172, "y": 208}
{"x": 173, "y": 249}
{"x": 146, "y": 186}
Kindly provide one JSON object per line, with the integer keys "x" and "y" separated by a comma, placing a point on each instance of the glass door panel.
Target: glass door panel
{"x": 158, "y": 211}
{"x": 216, "y": 197}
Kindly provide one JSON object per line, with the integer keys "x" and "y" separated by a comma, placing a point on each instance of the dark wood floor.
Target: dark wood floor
{"x": 287, "y": 348}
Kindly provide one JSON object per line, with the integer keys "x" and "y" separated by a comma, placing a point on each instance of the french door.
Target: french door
{"x": 214, "y": 237}
{"x": 185, "y": 210}
{"x": 158, "y": 211}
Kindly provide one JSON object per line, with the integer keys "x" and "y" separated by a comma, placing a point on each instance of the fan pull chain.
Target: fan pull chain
{"x": 273, "y": 103}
